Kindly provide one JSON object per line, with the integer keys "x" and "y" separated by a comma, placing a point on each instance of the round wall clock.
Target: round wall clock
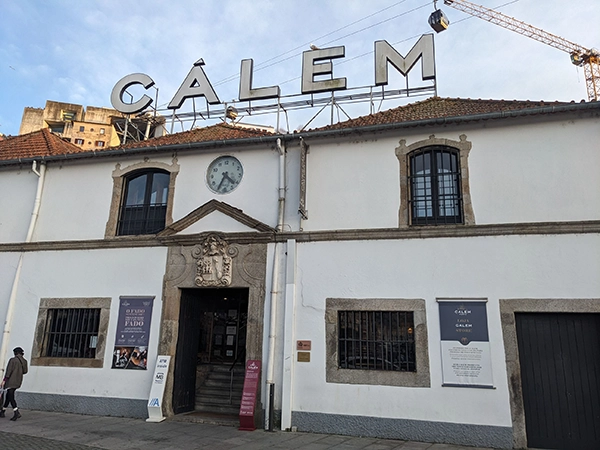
{"x": 224, "y": 174}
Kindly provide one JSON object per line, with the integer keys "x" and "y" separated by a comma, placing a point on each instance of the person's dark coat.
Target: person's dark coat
{"x": 17, "y": 367}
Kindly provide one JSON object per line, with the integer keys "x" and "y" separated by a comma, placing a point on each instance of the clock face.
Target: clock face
{"x": 224, "y": 174}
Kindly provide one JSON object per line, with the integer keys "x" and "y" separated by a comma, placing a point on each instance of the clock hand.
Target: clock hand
{"x": 226, "y": 174}
{"x": 222, "y": 179}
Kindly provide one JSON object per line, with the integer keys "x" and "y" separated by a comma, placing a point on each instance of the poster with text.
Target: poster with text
{"x": 133, "y": 331}
{"x": 466, "y": 358}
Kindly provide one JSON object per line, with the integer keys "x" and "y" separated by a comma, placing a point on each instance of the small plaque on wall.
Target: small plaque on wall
{"x": 303, "y": 357}
{"x": 303, "y": 345}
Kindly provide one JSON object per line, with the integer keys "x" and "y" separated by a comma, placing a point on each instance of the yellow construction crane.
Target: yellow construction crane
{"x": 589, "y": 59}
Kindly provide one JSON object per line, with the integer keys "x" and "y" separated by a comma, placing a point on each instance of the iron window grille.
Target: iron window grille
{"x": 144, "y": 204}
{"x": 71, "y": 333}
{"x": 435, "y": 195}
{"x": 376, "y": 340}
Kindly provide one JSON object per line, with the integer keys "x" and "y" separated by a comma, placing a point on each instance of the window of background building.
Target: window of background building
{"x": 57, "y": 128}
{"x": 81, "y": 128}
{"x": 99, "y": 143}
{"x": 102, "y": 131}
{"x": 144, "y": 203}
{"x": 79, "y": 141}
{"x": 68, "y": 116}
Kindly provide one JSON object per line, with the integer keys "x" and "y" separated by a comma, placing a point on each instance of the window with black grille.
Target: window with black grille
{"x": 71, "y": 333}
{"x": 434, "y": 178}
{"x": 376, "y": 340}
{"x": 144, "y": 203}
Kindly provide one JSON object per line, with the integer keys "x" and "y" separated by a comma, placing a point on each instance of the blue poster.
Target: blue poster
{"x": 133, "y": 331}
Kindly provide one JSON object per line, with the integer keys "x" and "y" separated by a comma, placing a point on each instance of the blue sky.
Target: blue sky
{"x": 76, "y": 51}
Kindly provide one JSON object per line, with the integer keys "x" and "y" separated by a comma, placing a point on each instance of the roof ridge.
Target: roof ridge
{"x": 441, "y": 107}
{"x": 47, "y": 137}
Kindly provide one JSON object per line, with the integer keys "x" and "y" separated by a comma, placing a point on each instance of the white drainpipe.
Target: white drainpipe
{"x": 13, "y": 292}
{"x": 275, "y": 291}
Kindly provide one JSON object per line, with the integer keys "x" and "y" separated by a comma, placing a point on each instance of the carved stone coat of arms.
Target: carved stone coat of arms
{"x": 214, "y": 263}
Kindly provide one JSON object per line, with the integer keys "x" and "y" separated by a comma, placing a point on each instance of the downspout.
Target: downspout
{"x": 13, "y": 292}
{"x": 275, "y": 291}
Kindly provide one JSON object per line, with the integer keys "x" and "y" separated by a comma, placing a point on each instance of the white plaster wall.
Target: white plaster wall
{"x": 518, "y": 173}
{"x": 536, "y": 173}
{"x": 93, "y": 273}
{"x": 487, "y": 267}
{"x": 76, "y": 201}
{"x": 352, "y": 185}
{"x": 8, "y": 268}
{"x": 217, "y": 221}
{"x": 257, "y": 194}
{"x": 18, "y": 187}
{"x": 77, "y": 195}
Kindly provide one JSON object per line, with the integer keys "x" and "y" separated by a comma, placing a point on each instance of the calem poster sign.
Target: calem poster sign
{"x": 466, "y": 357}
{"x": 317, "y": 76}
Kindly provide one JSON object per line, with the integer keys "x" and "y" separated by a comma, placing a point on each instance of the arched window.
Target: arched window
{"x": 144, "y": 203}
{"x": 435, "y": 182}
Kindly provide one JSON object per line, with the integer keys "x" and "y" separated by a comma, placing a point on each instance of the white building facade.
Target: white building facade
{"x": 330, "y": 257}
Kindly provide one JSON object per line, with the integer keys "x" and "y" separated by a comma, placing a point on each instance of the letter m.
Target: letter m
{"x": 385, "y": 53}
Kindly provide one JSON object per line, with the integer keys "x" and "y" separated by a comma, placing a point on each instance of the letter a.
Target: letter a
{"x": 196, "y": 84}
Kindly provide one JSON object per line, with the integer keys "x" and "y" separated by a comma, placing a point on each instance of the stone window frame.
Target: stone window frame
{"x": 120, "y": 175}
{"x": 102, "y": 303}
{"x": 403, "y": 152}
{"x": 420, "y": 378}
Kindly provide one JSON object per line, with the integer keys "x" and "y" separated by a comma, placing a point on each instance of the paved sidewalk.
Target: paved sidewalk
{"x": 58, "y": 431}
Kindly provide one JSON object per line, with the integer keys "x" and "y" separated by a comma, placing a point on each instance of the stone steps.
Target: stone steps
{"x": 213, "y": 394}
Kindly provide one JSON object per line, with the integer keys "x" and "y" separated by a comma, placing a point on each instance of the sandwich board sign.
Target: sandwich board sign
{"x": 157, "y": 390}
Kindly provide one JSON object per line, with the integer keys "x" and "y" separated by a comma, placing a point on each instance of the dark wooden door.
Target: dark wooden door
{"x": 184, "y": 383}
{"x": 560, "y": 371}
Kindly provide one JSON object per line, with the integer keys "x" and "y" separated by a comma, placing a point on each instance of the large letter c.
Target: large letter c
{"x": 116, "y": 96}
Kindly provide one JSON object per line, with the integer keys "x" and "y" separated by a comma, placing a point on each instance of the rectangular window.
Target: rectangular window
{"x": 376, "y": 340}
{"x": 81, "y": 128}
{"x": 435, "y": 186}
{"x": 99, "y": 143}
{"x": 68, "y": 115}
{"x": 102, "y": 131}
{"x": 71, "y": 333}
{"x": 78, "y": 141}
{"x": 57, "y": 128}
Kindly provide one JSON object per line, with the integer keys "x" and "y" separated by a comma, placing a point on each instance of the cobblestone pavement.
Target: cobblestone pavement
{"x": 58, "y": 431}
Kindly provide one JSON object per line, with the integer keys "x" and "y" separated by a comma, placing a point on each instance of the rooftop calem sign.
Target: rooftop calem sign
{"x": 317, "y": 66}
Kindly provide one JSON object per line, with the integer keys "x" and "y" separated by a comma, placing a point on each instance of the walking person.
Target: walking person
{"x": 13, "y": 378}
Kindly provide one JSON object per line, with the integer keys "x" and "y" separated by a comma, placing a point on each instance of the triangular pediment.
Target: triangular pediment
{"x": 215, "y": 216}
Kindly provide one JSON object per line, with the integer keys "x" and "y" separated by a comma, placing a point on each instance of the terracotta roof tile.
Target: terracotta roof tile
{"x": 435, "y": 108}
{"x": 37, "y": 143}
{"x": 218, "y": 132}
{"x": 45, "y": 143}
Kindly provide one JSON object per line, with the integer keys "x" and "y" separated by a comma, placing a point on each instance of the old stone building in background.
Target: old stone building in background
{"x": 91, "y": 128}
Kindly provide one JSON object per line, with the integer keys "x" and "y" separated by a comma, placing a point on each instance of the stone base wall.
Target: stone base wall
{"x": 77, "y": 404}
{"x": 405, "y": 429}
